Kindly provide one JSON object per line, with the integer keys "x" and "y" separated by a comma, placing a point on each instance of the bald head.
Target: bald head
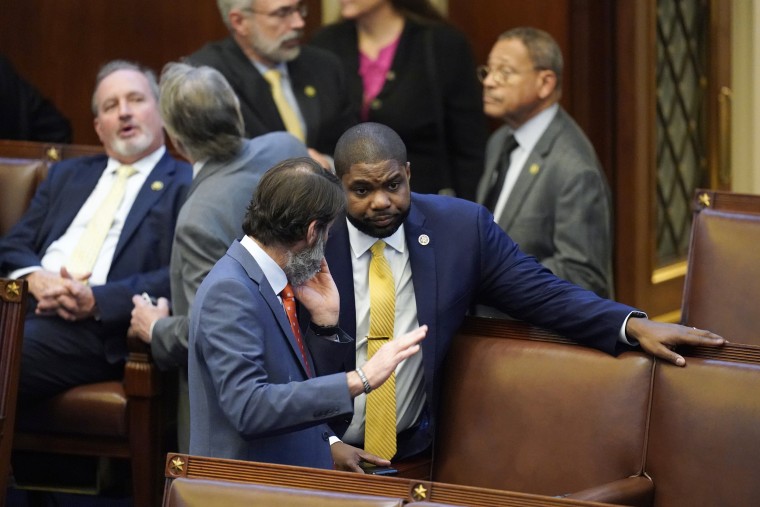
{"x": 368, "y": 143}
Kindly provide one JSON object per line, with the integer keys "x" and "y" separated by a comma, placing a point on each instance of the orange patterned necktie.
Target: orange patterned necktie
{"x": 289, "y": 302}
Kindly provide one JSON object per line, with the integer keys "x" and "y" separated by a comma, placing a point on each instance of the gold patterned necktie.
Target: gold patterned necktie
{"x": 288, "y": 115}
{"x": 380, "y": 429}
{"x": 87, "y": 249}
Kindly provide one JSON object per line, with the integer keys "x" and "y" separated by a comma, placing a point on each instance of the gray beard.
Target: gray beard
{"x": 302, "y": 266}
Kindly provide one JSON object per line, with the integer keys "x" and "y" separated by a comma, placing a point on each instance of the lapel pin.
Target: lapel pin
{"x": 390, "y": 76}
{"x": 424, "y": 239}
{"x": 534, "y": 169}
{"x": 157, "y": 185}
{"x": 310, "y": 91}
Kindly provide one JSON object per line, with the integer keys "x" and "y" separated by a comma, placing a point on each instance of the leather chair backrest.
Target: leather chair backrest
{"x": 207, "y": 493}
{"x": 704, "y": 437}
{"x": 540, "y": 417}
{"x": 19, "y": 178}
{"x": 722, "y": 285}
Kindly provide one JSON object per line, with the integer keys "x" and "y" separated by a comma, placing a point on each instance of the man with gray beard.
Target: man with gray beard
{"x": 281, "y": 84}
{"x": 254, "y": 393}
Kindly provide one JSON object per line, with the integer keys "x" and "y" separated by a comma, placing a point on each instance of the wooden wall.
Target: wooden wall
{"x": 58, "y": 45}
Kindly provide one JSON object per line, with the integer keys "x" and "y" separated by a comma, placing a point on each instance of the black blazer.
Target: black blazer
{"x": 319, "y": 85}
{"x": 439, "y": 117}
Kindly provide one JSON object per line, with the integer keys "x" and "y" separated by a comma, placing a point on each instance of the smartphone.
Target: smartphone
{"x": 148, "y": 299}
{"x": 371, "y": 469}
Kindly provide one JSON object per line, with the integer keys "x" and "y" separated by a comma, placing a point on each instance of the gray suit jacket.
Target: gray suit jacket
{"x": 560, "y": 207}
{"x": 208, "y": 222}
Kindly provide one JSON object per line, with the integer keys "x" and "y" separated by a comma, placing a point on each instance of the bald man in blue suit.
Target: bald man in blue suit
{"x": 447, "y": 254}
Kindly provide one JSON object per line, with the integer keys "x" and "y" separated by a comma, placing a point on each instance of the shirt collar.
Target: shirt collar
{"x": 272, "y": 271}
{"x": 361, "y": 242}
{"x": 143, "y": 166}
{"x": 531, "y": 131}
{"x": 198, "y": 166}
{"x": 281, "y": 66}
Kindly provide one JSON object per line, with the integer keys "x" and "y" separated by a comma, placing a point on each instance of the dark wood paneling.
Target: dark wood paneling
{"x": 58, "y": 45}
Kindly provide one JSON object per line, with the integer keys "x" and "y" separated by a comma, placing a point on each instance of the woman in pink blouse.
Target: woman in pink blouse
{"x": 411, "y": 70}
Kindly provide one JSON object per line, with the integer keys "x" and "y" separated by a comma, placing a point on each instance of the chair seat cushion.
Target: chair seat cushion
{"x": 92, "y": 409}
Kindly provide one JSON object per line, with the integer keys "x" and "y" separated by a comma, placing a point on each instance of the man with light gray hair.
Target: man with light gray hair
{"x": 281, "y": 84}
{"x": 202, "y": 117}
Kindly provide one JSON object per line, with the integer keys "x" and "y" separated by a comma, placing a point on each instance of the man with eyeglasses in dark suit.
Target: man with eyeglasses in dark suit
{"x": 282, "y": 85}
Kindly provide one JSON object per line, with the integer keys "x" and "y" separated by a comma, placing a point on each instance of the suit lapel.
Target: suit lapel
{"x": 306, "y": 92}
{"x": 421, "y": 243}
{"x": 252, "y": 88}
{"x": 520, "y": 191}
{"x": 252, "y": 268}
{"x": 80, "y": 187}
{"x": 156, "y": 184}
{"x": 530, "y": 172}
{"x": 338, "y": 254}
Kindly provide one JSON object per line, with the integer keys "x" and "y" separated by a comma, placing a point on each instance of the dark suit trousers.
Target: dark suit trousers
{"x": 58, "y": 355}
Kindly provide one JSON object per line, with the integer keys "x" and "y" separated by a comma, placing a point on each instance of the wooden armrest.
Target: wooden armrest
{"x": 141, "y": 376}
{"x": 635, "y": 491}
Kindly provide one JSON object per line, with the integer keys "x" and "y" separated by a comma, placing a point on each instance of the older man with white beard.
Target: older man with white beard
{"x": 281, "y": 84}
{"x": 98, "y": 230}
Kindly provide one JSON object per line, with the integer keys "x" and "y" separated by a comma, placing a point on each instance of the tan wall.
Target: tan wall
{"x": 745, "y": 125}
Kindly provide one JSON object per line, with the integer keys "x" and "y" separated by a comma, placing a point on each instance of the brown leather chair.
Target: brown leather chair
{"x": 202, "y": 493}
{"x": 108, "y": 419}
{"x": 704, "y": 430}
{"x": 229, "y": 482}
{"x": 12, "y": 311}
{"x": 722, "y": 283}
{"x": 525, "y": 410}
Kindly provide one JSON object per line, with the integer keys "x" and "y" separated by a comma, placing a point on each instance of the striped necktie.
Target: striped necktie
{"x": 380, "y": 431}
{"x": 87, "y": 249}
{"x": 288, "y": 115}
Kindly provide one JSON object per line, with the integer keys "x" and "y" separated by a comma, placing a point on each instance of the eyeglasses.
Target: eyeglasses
{"x": 500, "y": 74}
{"x": 284, "y": 13}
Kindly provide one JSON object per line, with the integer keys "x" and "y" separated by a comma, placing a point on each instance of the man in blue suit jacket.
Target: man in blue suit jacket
{"x": 76, "y": 326}
{"x": 446, "y": 254}
{"x": 253, "y": 395}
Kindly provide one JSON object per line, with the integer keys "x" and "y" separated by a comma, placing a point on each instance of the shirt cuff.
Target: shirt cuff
{"x": 623, "y": 338}
{"x": 23, "y": 272}
{"x": 333, "y": 440}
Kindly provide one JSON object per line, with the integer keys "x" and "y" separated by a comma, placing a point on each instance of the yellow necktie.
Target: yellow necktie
{"x": 380, "y": 430}
{"x": 88, "y": 248}
{"x": 288, "y": 115}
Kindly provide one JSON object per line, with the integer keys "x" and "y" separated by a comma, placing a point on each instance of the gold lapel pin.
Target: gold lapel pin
{"x": 424, "y": 239}
{"x": 534, "y": 169}
{"x": 157, "y": 185}
{"x": 310, "y": 91}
